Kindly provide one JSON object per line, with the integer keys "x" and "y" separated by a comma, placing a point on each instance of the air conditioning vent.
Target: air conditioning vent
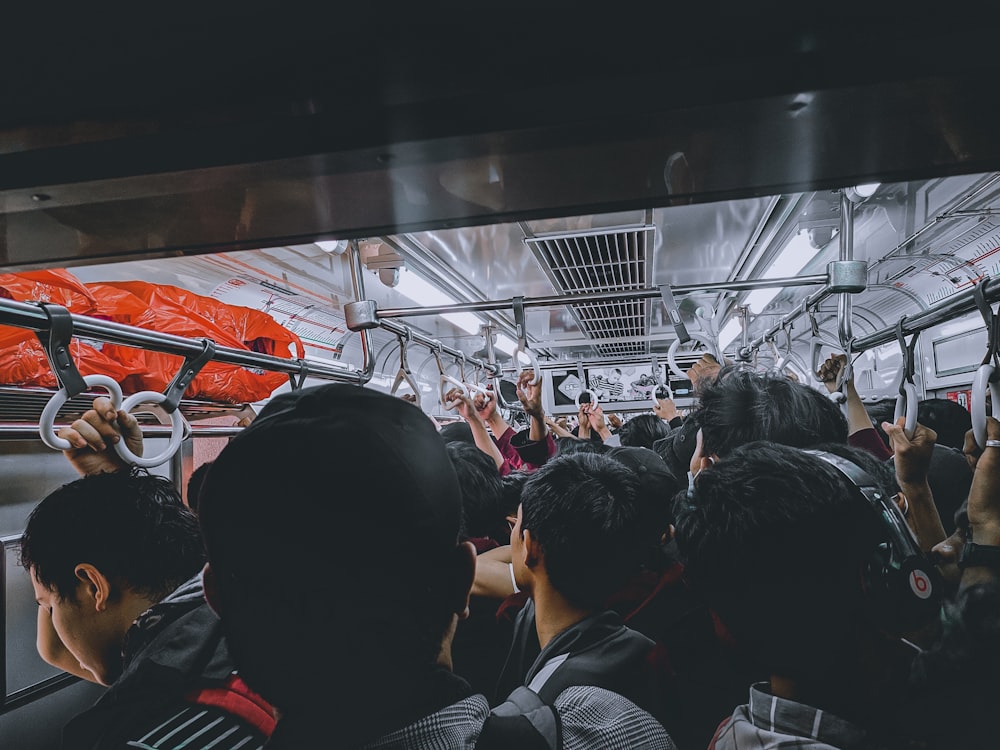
{"x": 609, "y": 260}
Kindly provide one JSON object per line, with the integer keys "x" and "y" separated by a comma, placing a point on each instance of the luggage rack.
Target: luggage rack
{"x": 23, "y": 405}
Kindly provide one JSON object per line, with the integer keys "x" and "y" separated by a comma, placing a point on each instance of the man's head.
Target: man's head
{"x": 331, "y": 525}
{"x": 778, "y": 540}
{"x": 582, "y": 523}
{"x": 482, "y": 492}
{"x": 643, "y": 430}
{"x": 740, "y": 407}
{"x": 949, "y": 419}
{"x": 101, "y": 547}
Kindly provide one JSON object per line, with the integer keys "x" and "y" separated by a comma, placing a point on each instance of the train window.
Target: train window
{"x": 959, "y": 353}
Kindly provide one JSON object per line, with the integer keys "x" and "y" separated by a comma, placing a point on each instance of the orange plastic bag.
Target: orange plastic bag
{"x": 177, "y": 311}
{"x": 22, "y": 356}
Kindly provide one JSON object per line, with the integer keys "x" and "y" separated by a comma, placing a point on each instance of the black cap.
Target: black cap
{"x": 333, "y": 472}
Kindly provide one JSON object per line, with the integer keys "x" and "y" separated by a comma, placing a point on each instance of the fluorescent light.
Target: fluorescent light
{"x": 425, "y": 294}
{"x": 789, "y": 262}
{"x": 505, "y": 344}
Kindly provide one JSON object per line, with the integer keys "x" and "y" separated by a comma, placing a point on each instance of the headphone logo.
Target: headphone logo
{"x": 921, "y": 585}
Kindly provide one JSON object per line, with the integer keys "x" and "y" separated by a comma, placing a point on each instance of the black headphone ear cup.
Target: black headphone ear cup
{"x": 876, "y": 579}
{"x": 901, "y": 598}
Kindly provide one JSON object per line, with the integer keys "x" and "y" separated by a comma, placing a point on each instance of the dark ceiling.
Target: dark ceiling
{"x": 151, "y": 133}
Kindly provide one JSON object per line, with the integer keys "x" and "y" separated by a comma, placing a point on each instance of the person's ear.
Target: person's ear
{"x": 530, "y": 550}
{"x": 465, "y": 574}
{"x": 95, "y": 585}
{"x": 210, "y": 586}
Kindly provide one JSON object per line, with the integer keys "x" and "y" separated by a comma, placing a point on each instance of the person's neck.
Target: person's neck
{"x": 554, "y": 613}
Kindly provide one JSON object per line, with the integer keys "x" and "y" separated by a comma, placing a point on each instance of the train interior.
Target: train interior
{"x": 470, "y": 251}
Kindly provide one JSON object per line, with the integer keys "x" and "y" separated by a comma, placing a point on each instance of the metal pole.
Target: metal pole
{"x": 845, "y": 325}
{"x": 626, "y": 295}
{"x": 30, "y": 316}
{"x": 358, "y": 282}
{"x": 433, "y": 344}
{"x": 953, "y": 307}
{"x": 807, "y": 304}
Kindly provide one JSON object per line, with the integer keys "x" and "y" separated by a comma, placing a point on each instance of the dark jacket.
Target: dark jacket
{"x": 174, "y": 656}
{"x": 598, "y": 651}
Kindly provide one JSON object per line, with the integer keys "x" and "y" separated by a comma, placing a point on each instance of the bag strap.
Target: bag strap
{"x": 523, "y": 721}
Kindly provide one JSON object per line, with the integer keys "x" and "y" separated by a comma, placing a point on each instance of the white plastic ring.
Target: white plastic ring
{"x": 532, "y": 360}
{"x": 654, "y": 399}
{"x": 907, "y": 405}
{"x": 448, "y": 380}
{"x": 672, "y": 352}
{"x": 978, "y": 406}
{"x": 405, "y": 377}
{"x": 46, "y": 422}
{"x": 474, "y": 388}
{"x": 594, "y": 398}
{"x": 176, "y": 431}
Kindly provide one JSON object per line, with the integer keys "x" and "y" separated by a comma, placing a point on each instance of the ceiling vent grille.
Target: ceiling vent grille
{"x": 609, "y": 260}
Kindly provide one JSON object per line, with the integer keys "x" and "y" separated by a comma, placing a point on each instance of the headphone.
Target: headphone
{"x": 904, "y": 588}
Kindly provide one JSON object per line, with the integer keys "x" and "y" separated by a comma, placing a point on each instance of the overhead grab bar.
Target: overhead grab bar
{"x": 57, "y": 339}
{"x": 31, "y": 316}
{"x": 988, "y": 372}
{"x": 658, "y": 383}
{"x": 446, "y": 380}
{"x": 907, "y": 400}
{"x": 403, "y": 374}
{"x": 522, "y": 343}
{"x": 594, "y": 398}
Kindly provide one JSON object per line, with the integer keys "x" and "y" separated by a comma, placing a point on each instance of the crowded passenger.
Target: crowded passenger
{"x": 583, "y": 529}
{"x": 115, "y": 560}
{"x": 829, "y": 635}
{"x": 511, "y": 449}
{"x": 401, "y": 581}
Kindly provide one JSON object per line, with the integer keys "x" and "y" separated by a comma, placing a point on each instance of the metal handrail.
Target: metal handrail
{"x": 31, "y": 316}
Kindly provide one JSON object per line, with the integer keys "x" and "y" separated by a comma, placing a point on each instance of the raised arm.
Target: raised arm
{"x": 467, "y": 410}
{"x": 912, "y": 458}
{"x": 530, "y": 396}
{"x": 984, "y": 509}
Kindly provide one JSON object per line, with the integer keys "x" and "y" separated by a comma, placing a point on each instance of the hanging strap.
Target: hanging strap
{"x": 191, "y": 367}
{"x": 56, "y": 341}
{"x": 909, "y": 362}
{"x": 992, "y": 326}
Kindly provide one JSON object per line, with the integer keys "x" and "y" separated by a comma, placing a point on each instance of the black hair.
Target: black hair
{"x": 949, "y": 419}
{"x": 741, "y": 406}
{"x": 482, "y": 491}
{"x": 457, "y": 431}
{"x": 776, "y": 539}
{"x": 510, "y": 499}
{"x": 642, "y": 431}
{"x": 881, "y": 411}
{"x": 131, "y": 526}
{"x": 568, "y": 445}
{"x": 194, "y": 484}
{"x": 584, "y": 512}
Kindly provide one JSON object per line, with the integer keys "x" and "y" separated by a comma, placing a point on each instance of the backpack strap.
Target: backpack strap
{"x": 523, "y": 721}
